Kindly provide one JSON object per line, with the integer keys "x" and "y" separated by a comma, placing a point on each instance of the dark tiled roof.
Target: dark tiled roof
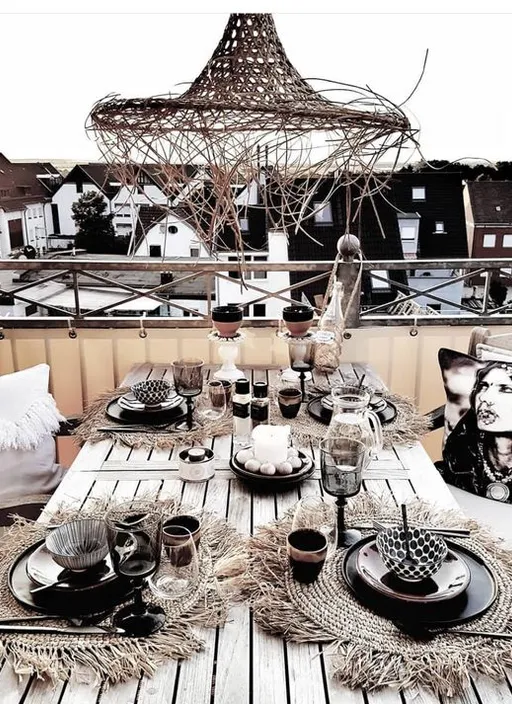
{"x": 148, "y": 216}
{"x": 254, "y": 240}
{"x": 99, "y": 174}
{"x": 21, "y": 181}
{"x": 486, "y": 196}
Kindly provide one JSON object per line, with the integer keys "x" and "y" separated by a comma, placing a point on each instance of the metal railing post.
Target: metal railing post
{"x": 349, "y": 273}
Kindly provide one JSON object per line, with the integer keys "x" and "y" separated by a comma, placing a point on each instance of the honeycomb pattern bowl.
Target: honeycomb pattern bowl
{"x": 152, "y": 391}
{"x": 78, "y": 545}
{"x": 428, "y": 551}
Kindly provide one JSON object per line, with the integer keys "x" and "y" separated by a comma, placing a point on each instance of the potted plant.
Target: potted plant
{"x": 227, "y": 319}
{"x": 298, "y": 319}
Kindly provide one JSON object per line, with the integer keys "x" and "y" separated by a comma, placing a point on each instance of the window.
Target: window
{"x": 408, "y": 232}
{"x": 489, "y": 241}
{"x": 194, "y": 252}
{"x": 244, "y": 224}
{"x": 418, "y": 193}
{"x": 235, "y": 274}
{"x": 439, "y": 226}
{"x": 4, "y": 192}
{"x": 259, "y": 310}
{"x": 259, "y": 274}
{"x": 172, "y": 229}
{"x": 323, "y": 213}
{"x": 246, "y": 311}
{"x": 155, "y": 250}
{"x": 379, "y": 284}
{"x": 79, "y": 187}
{"x": 507, "y": 241}
{"x": 55, "y": 218}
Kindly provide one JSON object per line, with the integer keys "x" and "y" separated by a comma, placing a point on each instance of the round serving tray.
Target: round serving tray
{"x": 474, "y": 601}
{"x": 321, "y": 413}
{"x": 452, "y": 579}
{"x": 276, "y": 481}
{"x": 96, "y": 597}
{"x": 121, "y": 415}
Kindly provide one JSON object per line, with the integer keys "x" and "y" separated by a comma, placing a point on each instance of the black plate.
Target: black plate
{"x": 318, "y": 412}
{"x": 115, "y": 412}
{"x": 83, "y": 602}
{"x": 476, "y": 600}
{"x": 276, "y": 481}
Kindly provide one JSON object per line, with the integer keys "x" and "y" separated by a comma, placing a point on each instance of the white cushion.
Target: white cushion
{"x": 28, "y": 413}
{"x": 29, "y": 472}
{"x": 488, "y": 353}
{"x": 494, "y": 514}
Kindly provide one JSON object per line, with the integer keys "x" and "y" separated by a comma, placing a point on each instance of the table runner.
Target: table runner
{"x": 118, "y": 658}
{"x": 367, "y": 650}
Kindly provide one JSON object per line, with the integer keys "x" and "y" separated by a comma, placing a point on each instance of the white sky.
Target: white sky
{"x": 56, "y": 64}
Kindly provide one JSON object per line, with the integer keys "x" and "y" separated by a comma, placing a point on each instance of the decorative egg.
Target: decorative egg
{"x": 292, "y": 452}
{"x": 284, "y": 468}
{"x": 296, "y": 462}
{"x": 252, "y": 465}
{"x": 244, "y": 456}
{"x": 268, "y": 468}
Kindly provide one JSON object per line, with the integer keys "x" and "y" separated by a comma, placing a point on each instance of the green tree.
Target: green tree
{"x": 95, "y": 231}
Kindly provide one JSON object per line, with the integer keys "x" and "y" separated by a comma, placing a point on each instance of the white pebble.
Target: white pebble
{"x": 292, "y": 452}
{"x": 252, "y": 465}
{"x": 284, "y": 468}
{"x": 244, "y": 456}
{"x": 268, "y": 468}
{"x": 296, "y": 462}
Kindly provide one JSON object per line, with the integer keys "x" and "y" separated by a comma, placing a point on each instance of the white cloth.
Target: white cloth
{"x": 496, "y": 515}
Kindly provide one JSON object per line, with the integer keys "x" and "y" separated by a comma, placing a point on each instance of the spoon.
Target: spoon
{"x": 407, "y": 561}
{"x": 61, "y": 580}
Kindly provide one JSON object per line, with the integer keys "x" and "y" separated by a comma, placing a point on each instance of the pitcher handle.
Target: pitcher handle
{"x": 376, "y": 429}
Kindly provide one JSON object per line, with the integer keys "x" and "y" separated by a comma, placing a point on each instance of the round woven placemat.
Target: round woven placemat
{"x": 367, "y": 650}
{"x": 118, "y": 658}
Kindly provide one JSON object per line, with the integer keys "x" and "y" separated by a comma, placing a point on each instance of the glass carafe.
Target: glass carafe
{"x": 352, "y": 417}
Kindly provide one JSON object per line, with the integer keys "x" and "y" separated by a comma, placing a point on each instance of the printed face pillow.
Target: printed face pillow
{"x": 477, "y": 449}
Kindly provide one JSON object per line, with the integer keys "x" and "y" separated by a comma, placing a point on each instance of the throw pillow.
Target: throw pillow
{"x": 477, "y": 451}
{"x": 28, "y": 472}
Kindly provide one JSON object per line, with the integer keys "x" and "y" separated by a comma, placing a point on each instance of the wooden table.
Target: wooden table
{"x": 240, "y": 664}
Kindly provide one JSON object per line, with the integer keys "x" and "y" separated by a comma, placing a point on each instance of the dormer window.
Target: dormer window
{"x": 489, "y": 241}
{"x": 440, "y": 227}
{"x": 418, "y": 193}
{"x": 323, "y": 213}
{"x": 244, "y": 224}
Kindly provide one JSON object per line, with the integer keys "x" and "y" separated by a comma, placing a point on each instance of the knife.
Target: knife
{"x": 62, "y": 630}
{"x": 133, "y": 429}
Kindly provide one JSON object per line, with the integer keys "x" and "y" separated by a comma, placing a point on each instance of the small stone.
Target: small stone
{"x": 268, "y": 468}
{"x": 252, "y": 465}
{"x": 296, "y": 462}
{"x": 292, "y": 452}
{"x": 244, "y": 456}
{"x": 284, "y": 468}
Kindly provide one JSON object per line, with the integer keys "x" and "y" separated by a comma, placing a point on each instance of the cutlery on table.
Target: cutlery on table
{"x": 447, "y": 532}
{"x": 72, "y": 620}
{"x": 408, "y": 560}
{"x": 50, "y": 584}
{"x": 61, "y": 630}
{"x": 133, "y": 428}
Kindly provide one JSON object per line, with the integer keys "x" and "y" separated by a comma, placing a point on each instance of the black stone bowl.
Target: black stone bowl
{"x": 297, "y": 314}
{"x": 227, "y": 314}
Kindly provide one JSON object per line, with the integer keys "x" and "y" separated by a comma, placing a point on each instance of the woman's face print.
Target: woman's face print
{"x": 493, "y": 402}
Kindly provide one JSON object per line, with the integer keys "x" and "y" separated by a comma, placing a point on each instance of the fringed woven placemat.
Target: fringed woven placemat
{"x": 95, "y": 417}
{"x": 367, "y": 650}
{"x": 408, "y": 426}
{"x": 117, "y": 658}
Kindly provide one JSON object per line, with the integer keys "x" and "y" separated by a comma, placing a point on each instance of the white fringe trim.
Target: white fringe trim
{"x": 41, "y": 420}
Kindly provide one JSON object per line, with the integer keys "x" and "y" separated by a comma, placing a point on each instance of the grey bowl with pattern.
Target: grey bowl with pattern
{"x": 78, "y": 545}
{"x": 428, "y": 551}
{"x": 152, "y": 391}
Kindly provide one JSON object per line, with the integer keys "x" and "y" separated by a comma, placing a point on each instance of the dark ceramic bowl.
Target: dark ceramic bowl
{"x": 298, "y": 319}
{"x": 227, "y": 319}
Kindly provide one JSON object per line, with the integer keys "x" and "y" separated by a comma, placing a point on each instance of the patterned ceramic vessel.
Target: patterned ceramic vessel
{"x": 152, "y": 391}
{"x": 78, "y": 545}
{"x": 428, "y": 552}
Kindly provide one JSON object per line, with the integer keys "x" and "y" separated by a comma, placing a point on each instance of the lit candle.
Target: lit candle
{"x": 270, "y": 443}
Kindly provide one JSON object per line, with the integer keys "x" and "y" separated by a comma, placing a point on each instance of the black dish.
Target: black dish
{"x": 121, "y": 415}
{"x": 275, "y": 481}
{"x": 96, "y": 598}
{"x": 322, "y": 414}
{"x": 475, "y": 601}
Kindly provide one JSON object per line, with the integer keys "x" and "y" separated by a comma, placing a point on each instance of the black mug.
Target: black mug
{"x": 307, "y": 550}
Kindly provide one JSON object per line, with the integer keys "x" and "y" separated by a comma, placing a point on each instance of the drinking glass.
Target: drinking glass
{"x": 134, "y": 533}
{"x": 313, "y": 512}
{"x": 289, "y": 399}
{"x": 178, "y": 573}
{"x": 212, "y": 404}
{"x": 342, "y": 461}
{"x": 302, "y": 355}
{"x": 307, "y": 550}
{"x": 188, "y": 382}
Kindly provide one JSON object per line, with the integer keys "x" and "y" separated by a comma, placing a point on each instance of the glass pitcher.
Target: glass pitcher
{"x": 352, "y": 417}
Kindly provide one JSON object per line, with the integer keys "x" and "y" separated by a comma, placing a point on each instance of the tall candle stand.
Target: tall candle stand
{"x": 228, "y": 348}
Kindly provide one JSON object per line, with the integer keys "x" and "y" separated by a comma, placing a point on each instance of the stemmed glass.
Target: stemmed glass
{"x": 212, "y": 403}
{"x": 178, "y": 573}
{"x": 315, "y": 513}
{"x": 188, "y": 382}
{"x": 342, "y": 461}
{"x": 134, "y": 533}
{"x": 302, "y": 355}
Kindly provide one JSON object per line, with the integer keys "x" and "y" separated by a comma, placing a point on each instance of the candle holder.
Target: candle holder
{"x": 228, "y": 348}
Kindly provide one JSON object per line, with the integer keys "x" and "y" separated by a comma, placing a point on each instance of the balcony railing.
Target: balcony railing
{"x": 394, "y": 276}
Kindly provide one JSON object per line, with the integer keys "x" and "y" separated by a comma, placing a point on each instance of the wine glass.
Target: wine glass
{"x": 313, "y": 512}
{"x": 342, "y": 461}
{"x": 212, "y": 404}
{"x": 134, "y": 533}
{"x": 178, "y": 573}
{"x": 302, "y": 355}
{"x": 188, "y": 382}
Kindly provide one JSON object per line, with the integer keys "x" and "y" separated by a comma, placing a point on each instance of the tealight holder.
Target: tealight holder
{"x": 228, "y": 348}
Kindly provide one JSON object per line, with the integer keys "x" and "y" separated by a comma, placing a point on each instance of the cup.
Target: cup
{"x": 307, "y": 550}
{"x": 191, "y": 523}
{"x": 289, "y": 401}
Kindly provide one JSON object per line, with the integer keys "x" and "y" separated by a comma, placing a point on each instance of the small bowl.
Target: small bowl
{"x": 152, "y": 391}
{"x": 78, "y": 545}
{"x": 428, "y": 551}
